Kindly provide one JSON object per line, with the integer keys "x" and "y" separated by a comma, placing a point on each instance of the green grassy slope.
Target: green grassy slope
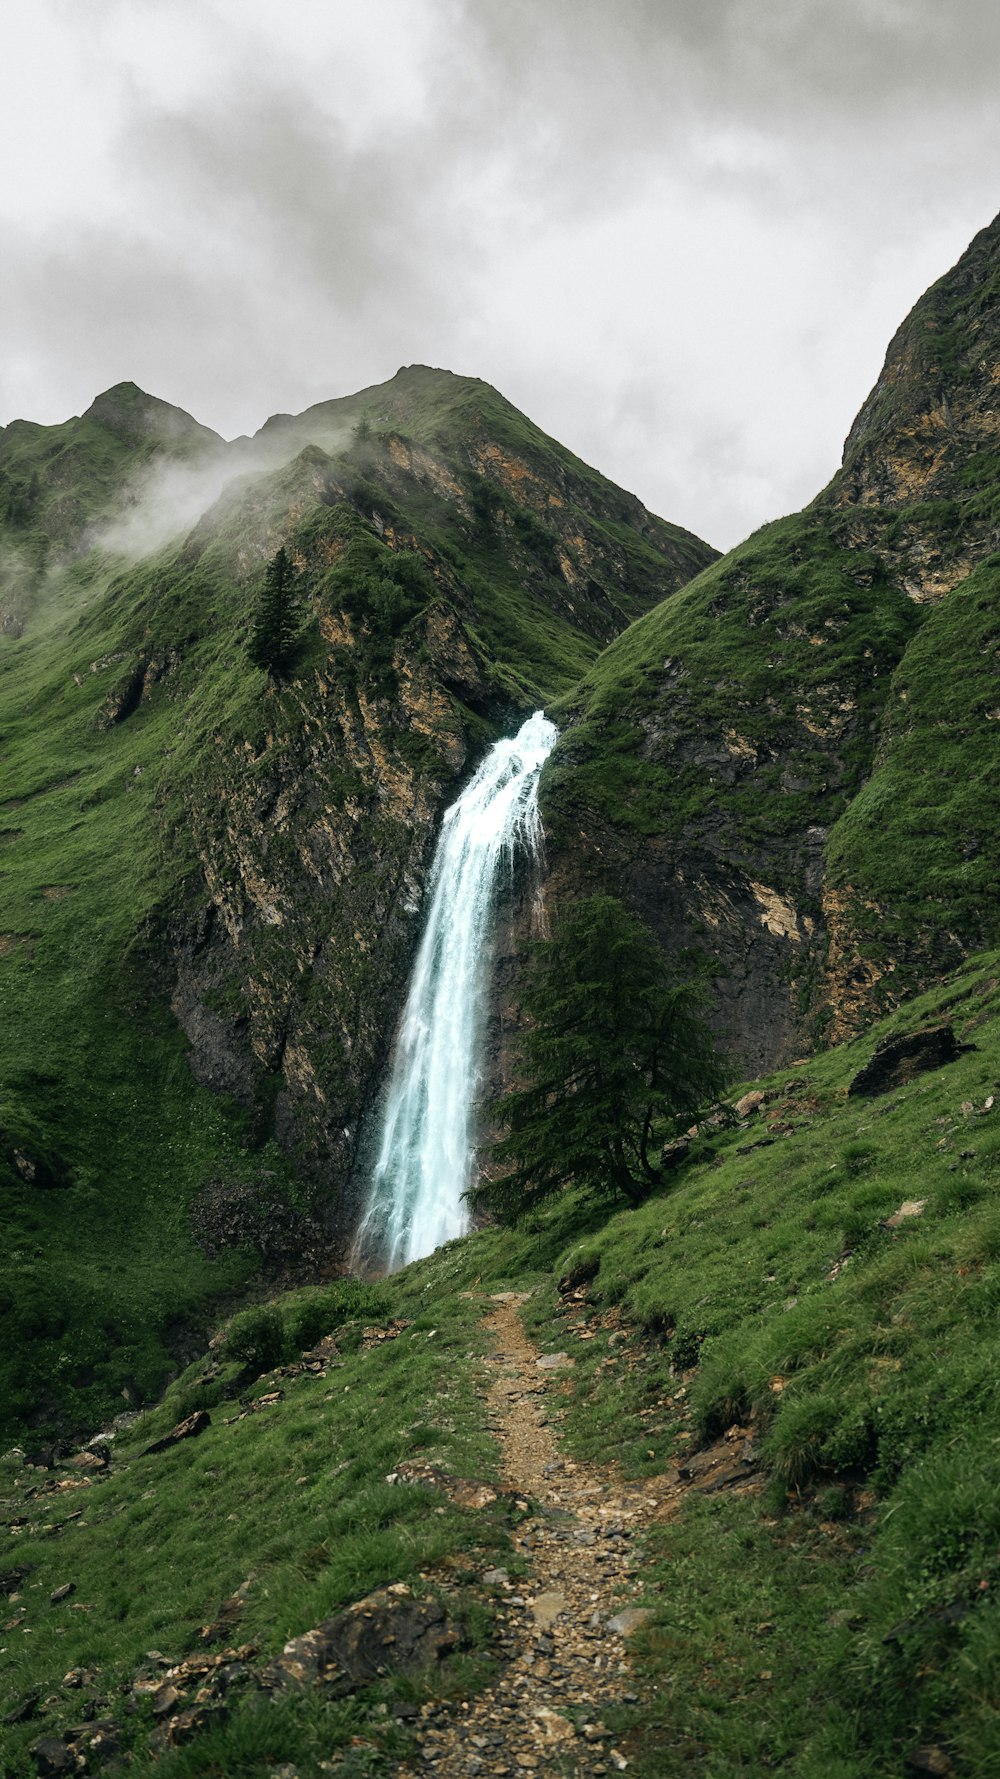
{"x": 921, "y": 841}
{"x": 831, "y": 1624}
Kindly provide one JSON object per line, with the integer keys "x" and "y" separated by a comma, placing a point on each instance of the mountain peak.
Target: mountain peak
{"x": 136, "y": 418}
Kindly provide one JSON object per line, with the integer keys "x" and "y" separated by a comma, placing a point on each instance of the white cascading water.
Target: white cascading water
{"x": 426, "y": 1150}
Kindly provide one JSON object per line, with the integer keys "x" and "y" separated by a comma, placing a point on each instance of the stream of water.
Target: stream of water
{"x": 426, "y": 1149}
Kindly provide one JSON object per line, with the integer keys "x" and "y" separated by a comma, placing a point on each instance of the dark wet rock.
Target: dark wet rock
{"x": 579, "y": 1275}
{"x": 52, "y": 1755}
{"x": 929, "y": 1759}
{"x": 11, "y": 1579}
{"x": 387, "y": 1632}
{"x": 187, "y": 1724}
{"x": 673, "y": 1153}
{"x": 900, "y": 1059}
{"x": 77, "y": 1750}
{"x": 186, "y": 1429}
{"x": 25, "y": 1709}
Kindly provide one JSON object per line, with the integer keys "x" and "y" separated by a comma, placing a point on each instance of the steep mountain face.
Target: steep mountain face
{"x": 787, "y": 768}
{"x": 211, "y": 883}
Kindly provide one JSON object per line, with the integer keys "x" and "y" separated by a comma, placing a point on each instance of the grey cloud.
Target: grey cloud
{"x": 266, "y": 244}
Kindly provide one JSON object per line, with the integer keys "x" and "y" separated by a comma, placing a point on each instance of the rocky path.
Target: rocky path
{"x": 566, "y": 1625}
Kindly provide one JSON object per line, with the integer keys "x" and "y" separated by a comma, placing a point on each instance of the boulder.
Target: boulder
{"x": 900, "y": 1059}
{"x": 11, "y": 1579}
{"x": 186, "y": 1429}
{"x": 77, "y": 1750}
{"x": 387, "y": 1632}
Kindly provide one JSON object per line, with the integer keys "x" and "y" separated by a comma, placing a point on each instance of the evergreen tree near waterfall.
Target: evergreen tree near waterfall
{"x": 616, "y": 1056}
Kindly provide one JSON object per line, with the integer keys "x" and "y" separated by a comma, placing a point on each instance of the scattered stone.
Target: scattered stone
{"x": 751, "y": 1102}
{"x": 63, "y": 1593}
{"x": 373, "y": 1337}
{"x": 912, "y": 1207}
{"x": 186, "y": 1429}
{"x": 52, "y": 1756}
{"x": 188, "y": 1724}
{"x": 547, "y": 1607}
{"x": 495, "y": 1578}
{"x": 464, "y": 1491}
{"x": 625, "y": 1624}
{"x": 929, "y": 1759}
{"x": 676, "y": 1151}
{"x": 228, "y": 1613}
{"x": 898, "y": 1060}
{"x": 553, "y": 1361}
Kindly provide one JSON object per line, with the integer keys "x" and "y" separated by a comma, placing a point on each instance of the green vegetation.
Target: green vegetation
{"x": 921, "y": 838}
{"x": 615, "y": 1059}
{"x": 757, "y": 689}
{"x": 291, "y": 1499}
{"x": 850, "y": 1613}
{"x": 276, "y": 619}
{"x": 830, "y": 1624}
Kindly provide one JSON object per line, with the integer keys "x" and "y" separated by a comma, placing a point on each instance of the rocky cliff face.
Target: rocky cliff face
{"x": 506, "y": 564}
{"x": 766, "y": 769}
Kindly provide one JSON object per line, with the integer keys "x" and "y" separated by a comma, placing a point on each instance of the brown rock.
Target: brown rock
{"x": 188, "y": 1724}
{"x": 186, "y": 1429}
{"x": 912, "y": 1207}
{"x": 929, "y": 1759}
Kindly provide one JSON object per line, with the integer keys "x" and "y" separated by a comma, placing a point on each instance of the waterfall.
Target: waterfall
{"x": 426, "y": 1153}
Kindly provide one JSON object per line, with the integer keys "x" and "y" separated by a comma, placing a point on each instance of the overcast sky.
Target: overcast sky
{"x": 678, "y": 233}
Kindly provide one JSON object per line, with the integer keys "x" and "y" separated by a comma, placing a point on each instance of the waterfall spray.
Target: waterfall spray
{"x": 426, "y": 1152}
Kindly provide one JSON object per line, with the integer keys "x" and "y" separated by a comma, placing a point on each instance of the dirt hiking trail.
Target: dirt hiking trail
{"x": 565, "y": 1626}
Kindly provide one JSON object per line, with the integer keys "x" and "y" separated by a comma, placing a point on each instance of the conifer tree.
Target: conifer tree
{"x": 616, "y": 1058}
{"x": 276, "y": 619}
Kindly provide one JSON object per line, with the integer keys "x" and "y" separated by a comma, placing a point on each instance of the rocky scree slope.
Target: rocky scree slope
{"x": 788, "y": 767}
{"x": 211, "y": 884}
